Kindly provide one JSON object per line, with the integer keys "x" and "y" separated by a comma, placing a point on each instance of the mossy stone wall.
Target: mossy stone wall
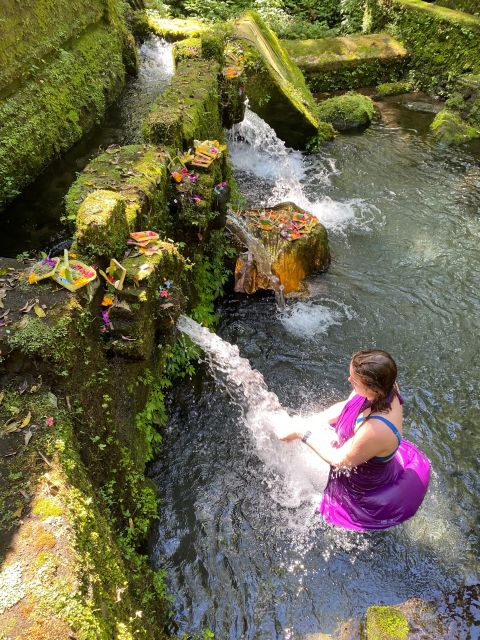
{"x": 188, "y": 108}
{"x": 61, "y": 64}
{"x": 470, "y": 6}
{"x": 443, "y": 44}
{"x": 348, "y": 62}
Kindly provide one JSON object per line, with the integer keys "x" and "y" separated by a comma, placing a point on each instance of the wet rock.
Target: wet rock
{"x": 275, "y": 85}
{"x": 285, "y": 245}
{"x": 350, "y": 111}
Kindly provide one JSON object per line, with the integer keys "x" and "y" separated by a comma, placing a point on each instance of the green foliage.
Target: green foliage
{"x": 153, "y": 415}
{"x": 37, "y": 338}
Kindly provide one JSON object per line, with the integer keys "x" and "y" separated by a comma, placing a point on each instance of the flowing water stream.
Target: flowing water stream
{"x": 245, "y": 553}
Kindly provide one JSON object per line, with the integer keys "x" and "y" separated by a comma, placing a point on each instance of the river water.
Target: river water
{"x": 245, "y": 553}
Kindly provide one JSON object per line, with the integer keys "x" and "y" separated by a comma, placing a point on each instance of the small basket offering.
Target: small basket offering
{"x": 73, "y": 274}
{"x": 142, "y": 238}
{"x": 115, "y": 274}
{"x": 206, "y": 152}
{"x": 43, "y": 269}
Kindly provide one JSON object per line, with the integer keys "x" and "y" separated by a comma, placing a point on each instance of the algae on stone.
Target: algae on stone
{"x": 102, "y": 228}
{"x": 386, "y": 623}
{"x": 174, "y": 28}
{"x": 349, "y": 111}
{"x": 348, "y": 61}
{"x": 393, "y": 89}
{"x": 275, "y": 85}
{"x": 188, "y": 108}
{"x": 138, "y": 173}
{"x": 449, "y": 128}
{"x": 48, "y": 114}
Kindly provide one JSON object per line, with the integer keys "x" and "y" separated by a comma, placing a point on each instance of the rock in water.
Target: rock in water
{"x": 285, "y": 244}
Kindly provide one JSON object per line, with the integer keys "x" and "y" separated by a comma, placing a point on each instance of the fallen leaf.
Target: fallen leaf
{"x": 28, "y": 437}
{"x": 23, "y": 387}
{"x": 18, "y": 512}
{"x": 39, "y": 311}
{"x": 26, "y": 420}
{"x": 167, "y": 305}
{"x": 2, "y": 395}
{"x": 5, "y": 314}
{"x": 130, "y": 523}
{"x": 128, "y": 339}
{"x": 10, "y": 426}
{"x": 24, "y": 494}
{"x": 3, "y": 271}
{"x": 23, "y": 323}
{"x": 28, "y": 306}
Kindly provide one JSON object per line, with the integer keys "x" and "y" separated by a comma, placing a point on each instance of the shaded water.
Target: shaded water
{"x": 245, "y": 553}
{"x": 32, "y": 221}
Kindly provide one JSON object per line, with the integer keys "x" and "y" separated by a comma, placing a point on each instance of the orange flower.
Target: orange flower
{"x": 107, "y": 301}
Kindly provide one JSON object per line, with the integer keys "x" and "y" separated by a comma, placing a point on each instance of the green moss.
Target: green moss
{"x": 46, "y": 25}
{"x": 52, "y": 111}
{"x": 386, "y": 623}
{"x": 102, "y": 227}
{"x": 46, "y": 507}
{"x": 443, "y": 44}
{"x": 49, "y": 339}
{"x": 174, "y": 28}
{"x": 326, "y": 133}
{"x": 470, "y": 6}
{"x": 393, "y": 88}
{"x": 349, "y": 111}
{"x": 188, "y": 108}
{"x": 348, "y": 62}
{"x": 188, "y": 48}
{"x": 449, "y": 128}
{"x": 276, "y": 87}
{"x": 138, "y": 173}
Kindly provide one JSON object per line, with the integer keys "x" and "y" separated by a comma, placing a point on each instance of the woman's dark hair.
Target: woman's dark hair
{"x": 377, "y": 370}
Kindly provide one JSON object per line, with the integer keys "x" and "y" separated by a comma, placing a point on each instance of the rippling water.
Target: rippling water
{"x": 246, "y": 555}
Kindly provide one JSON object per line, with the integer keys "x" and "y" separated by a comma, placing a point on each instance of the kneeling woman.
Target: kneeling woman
{"x": 377, "y": 479}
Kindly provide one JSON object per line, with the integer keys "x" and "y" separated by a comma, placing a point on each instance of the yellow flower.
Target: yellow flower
{"x": 32, "y": 278}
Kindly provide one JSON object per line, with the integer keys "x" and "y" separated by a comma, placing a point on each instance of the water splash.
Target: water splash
{"x": 256, "y": 151}
{"x": 303, "y": 473}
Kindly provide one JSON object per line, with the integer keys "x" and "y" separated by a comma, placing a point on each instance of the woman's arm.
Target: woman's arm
{"x": 365, "y": 444}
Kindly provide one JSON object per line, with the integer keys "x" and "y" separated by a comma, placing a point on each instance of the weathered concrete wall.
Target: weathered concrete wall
{"x": 61, "y": 63}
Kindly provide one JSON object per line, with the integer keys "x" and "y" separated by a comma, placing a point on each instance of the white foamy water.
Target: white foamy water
{"x": 255, "y": 149}
{"x": 308, "y": 319}
{"x": 299, "y": 475}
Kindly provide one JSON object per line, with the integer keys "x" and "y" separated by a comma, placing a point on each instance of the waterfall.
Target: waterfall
{"x": 269, "y": 172}
{"x": 303, "y": 474}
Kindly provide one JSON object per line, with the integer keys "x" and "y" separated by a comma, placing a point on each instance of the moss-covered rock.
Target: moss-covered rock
{"x": 393, "y": 89}
{"x": 174, "y": 28}
{"x": 470, "y": 6}
{"x": 188, "y": 108}
{"x": 275, "y": 85}
{"x": 188, "y": 48}
{"x": 449, "y": 128}
{"x": 442, "y": 43}
{"x": 386, "y": 623}
{"x": 349, "y": 61}
{"x": 350, "y": 111}
{"x": 45, "y": 25}
{"x": 138, "y": 173}
{"x": 52, "y": 111}
{"x": 102, "y": 228}
{"x": 140, "y": 310}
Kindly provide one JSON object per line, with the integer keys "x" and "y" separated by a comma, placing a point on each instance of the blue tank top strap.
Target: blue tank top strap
{"x": 395, "y": 431}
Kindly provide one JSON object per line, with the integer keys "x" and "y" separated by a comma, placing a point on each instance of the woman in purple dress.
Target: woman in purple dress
{"x": 377, "y": 479}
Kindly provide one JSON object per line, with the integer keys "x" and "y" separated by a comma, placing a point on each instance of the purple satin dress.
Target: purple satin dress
{"x": 375, "y": 495}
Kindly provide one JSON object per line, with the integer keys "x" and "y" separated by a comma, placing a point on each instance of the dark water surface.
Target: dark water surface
{"x": 244, "y": 554}
{"x": 32, "y": 221}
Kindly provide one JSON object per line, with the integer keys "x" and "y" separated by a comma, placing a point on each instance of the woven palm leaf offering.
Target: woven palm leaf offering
{"x": 289, "y": 224}
{"x": 206, "y": 152}
{"x": 42, "y": 269}
{"x": 73, "y": 274}
{"x": 146, "y": 242}
{"x": 234, "y": 61}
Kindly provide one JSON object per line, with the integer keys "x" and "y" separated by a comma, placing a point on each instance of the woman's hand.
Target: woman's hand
{"x": 287, "y": 432}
